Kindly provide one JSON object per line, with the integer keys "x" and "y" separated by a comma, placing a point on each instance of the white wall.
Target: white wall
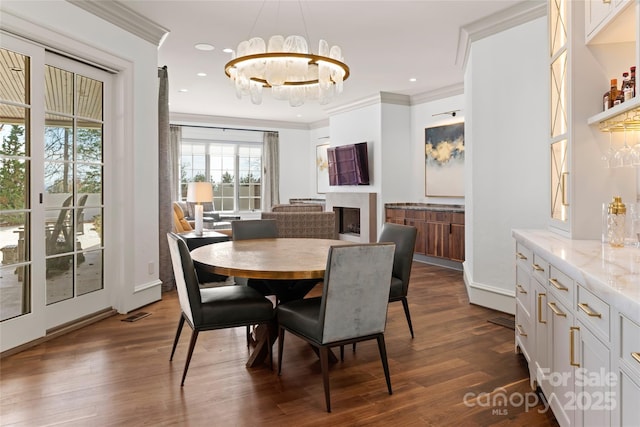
{"x": 422, "y": 117}
{"x": 131, "y": 183}
{"x": 507, "y": 178}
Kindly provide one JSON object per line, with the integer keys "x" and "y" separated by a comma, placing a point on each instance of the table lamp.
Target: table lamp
{"x": 198, "y": 193}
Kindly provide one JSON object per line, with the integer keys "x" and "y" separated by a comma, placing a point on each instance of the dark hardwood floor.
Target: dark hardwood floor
{"x": 118, "y": 373}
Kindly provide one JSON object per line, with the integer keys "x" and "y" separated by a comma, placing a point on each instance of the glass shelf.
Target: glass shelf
{"x": 624, "y": 121}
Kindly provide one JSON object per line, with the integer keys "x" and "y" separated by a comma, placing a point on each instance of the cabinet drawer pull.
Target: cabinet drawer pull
{"x": 636, "y": 356}
{"x": 558, "y": 285}
{"x": 556, "y": 310}
{"x": 520, "y": 331}
{"x": 540, "y": 308}
{"x": 521, "y": 289}
{"x": 536, "y": 267}
{"x": 572, "y": 349}
{"x": 585, "y": 307}
{"x": 520, "y": 255}
{"x": 606, "y": 1}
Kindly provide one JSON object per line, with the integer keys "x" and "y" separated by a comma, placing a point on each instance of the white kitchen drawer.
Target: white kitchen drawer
{"x": 630, "y": 343}
{"x": 540, "y": 268}
{"x": 594, "y": 312}
{"x": 562, "y": 286}
{"x": 523, "y": 288}
{"x": 524, "y": 331}
{"x": 524, "y": 255}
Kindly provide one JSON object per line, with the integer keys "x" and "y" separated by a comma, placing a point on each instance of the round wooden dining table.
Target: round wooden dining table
{"x": 280, "y": 258}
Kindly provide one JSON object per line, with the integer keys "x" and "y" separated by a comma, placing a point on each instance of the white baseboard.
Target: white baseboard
{"x": 490, "y": 296}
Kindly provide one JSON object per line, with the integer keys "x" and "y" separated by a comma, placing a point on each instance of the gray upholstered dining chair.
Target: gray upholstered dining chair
{"x": 404, "y": 237}
{"x": 254, "y": 229}
{"x": 352, "y": 308}
{"x": 212, "y": 308}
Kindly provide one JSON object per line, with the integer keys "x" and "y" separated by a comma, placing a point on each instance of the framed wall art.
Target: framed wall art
{"x": 322, "y": 168}
{"x": 444, "y": 161}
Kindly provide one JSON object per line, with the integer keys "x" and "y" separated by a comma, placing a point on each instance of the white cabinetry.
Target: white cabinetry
{"x": 629, "y": 372}
{"x": 580, "y": 74}
{"x": 582, "y": 332}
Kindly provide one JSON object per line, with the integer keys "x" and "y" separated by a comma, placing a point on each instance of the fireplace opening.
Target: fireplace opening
{"x": 348, "y": 220}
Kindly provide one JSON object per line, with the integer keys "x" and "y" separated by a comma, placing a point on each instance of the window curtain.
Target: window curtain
{"x": 271, "y": 170}
{"x": 165, "y": 181}
{"x": 174, "y": 161}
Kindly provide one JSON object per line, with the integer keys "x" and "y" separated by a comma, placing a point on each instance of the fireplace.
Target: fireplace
{"x": 355, "y": 216}
{"x": 347, "y": 220}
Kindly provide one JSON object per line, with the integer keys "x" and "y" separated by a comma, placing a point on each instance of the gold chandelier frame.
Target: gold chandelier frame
{"x": 313, "y": 60}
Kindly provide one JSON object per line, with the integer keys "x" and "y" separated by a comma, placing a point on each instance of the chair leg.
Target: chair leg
{"x": 405, "y": 304}
{"x": 385, "y": 364}
{"x": 342, "y": 353}
{"x": 270, "y": 349}
{"x": 192, "y": 344}
{"x": 324, "y": 364}
{"x": 248, "y": 336}
{"x": 175, "y": 340}
{"x": 353, "y": 347}
{"x": 280, "y": 347}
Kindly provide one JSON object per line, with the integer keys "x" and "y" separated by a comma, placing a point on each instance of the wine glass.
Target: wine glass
{"x": 608, "y": 156}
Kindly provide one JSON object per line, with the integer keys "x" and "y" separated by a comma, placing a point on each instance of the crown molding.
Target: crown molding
{"x": 434, "y": 95}
{"x": 378, "y": 98}
{"x": 118, "y": 14}
{"x": 186, "y": 118}
{"x": 518, "y": 14}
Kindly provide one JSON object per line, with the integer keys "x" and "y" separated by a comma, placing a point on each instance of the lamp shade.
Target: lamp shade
{"x": 200, "y": 192}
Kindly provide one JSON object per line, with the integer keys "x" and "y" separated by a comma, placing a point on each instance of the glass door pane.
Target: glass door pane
{"x": 15, "y": 162}
{"x": 73, "y": 176}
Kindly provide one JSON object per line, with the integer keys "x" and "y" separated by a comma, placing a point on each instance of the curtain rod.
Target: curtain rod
{"x": 225, "y": 128}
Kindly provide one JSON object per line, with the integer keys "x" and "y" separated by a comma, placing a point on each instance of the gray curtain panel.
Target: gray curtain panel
{"x": 174, "y": 161}
{"x": 165, "y": 181}
{"x": 271, "y": 166}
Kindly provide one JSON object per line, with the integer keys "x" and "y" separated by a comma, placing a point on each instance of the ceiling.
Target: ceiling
{"x": 385, "y": 43}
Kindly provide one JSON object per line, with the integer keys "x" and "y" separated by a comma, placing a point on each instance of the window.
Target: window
{"x": 234, "y": 168}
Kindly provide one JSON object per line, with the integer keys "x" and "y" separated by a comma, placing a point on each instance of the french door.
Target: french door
{"x": 54, "y": 117}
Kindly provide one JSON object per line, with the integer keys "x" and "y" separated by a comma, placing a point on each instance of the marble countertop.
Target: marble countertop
{"x": 426, "y": 206}
{"x": 611, "y": 273}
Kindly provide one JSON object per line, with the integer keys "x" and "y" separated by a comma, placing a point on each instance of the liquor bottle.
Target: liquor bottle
{"x": 627, "y": 91}
{"x": 605, "y": 100}
{"x": 632, "y": 81}
{"x": 613, "y": 92}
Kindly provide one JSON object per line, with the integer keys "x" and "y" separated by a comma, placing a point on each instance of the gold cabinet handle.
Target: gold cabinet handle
{"x": 636, "y": 356}
{"x": 521, "y": 289}
{"x": 572, "y": 349}
{"x": 520, "y": 331}
{"x": 563, "y": 182}
{"x": 585, "y": 307}
{"x": 556, "y": 310}
{"x": 606, "y": 1}
{"x": 540, "y": 308}
{"x": 520, "y": 255}
{"x": 558, "y": 285}
{"x": 536, "y": 267}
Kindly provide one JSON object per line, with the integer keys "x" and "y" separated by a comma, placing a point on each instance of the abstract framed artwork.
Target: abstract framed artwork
{"x": 444, "y": 160}
{"x": 322, "y": 168}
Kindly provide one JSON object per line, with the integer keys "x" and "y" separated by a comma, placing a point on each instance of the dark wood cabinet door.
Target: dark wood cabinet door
{"x": 437, "y": 234}
{"x": 421, "y": 242}
{"x": 456, "y": 242}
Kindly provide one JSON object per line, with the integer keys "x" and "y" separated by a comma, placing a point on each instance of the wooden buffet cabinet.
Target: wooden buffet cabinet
{"x": 440, "y": 227}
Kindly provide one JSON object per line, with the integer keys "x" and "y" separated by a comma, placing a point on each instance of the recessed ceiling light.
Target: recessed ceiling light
{"x": 413, "y": 79}
{"x": 183, "y": 90}
{"x": 204, "y": 46}
{"x": 227, "y": 50}
{"x": 202, "y": 74}
{"x": 298, "y": 115}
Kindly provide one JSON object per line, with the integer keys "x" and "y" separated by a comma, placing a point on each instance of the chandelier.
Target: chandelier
{"x": 287, "y": 67}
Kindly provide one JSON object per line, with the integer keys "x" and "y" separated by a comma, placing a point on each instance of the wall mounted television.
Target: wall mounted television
{"x": 348, "y": 164}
